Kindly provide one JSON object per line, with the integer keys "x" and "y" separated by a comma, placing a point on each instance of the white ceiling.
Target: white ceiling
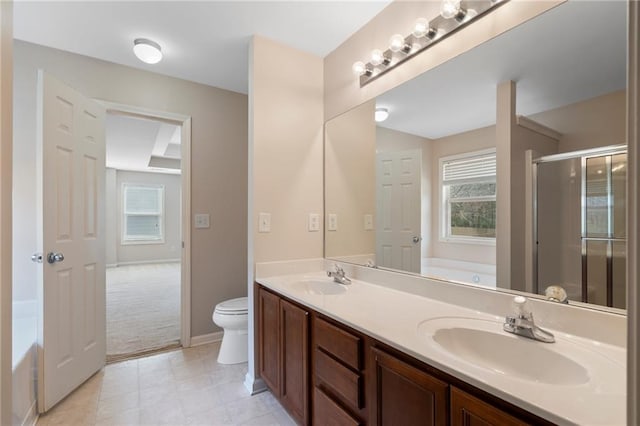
{"x": 202, "y": 41}
{"x": 133, "y": 141}
{"x": 574, "y": 52}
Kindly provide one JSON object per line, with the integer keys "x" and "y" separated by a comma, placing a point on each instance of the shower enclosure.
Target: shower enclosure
{"x": 579, "y": 219}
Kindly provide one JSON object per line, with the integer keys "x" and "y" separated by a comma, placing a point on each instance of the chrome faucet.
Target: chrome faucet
{"x": 339, "y": 276}
{"x": 522, "y": 323}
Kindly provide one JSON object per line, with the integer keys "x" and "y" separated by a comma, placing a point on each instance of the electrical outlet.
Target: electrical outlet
{"x": 333, "y": 222}
{"x": 368, "y": 222}
{"x": 264, "y": 222}
{"x": 202, "y": 220}
{"x": 314, "y": 222}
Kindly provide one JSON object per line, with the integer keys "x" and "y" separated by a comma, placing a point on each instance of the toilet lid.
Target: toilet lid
{"x": 234, "y": 306}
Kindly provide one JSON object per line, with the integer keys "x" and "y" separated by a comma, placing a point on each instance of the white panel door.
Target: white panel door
{"x": 71, "y": 163}
{"x": 398, "y": 215}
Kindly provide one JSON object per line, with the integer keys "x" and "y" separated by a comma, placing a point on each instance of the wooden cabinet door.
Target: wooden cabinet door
{"x": 405, "y": 395}
{"x": 269, "y": 339}
{"x": 467, "y": 410}
{"x": 294, "y": 334}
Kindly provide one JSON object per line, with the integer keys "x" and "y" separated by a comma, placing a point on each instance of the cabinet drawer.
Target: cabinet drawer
{"x": 339, "y": 379}
{"x": 339, "y": 343}
{"x": 327, "y": 412}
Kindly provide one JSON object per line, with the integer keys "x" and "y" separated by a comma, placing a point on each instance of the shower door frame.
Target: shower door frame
{"x": 583, "y": 155}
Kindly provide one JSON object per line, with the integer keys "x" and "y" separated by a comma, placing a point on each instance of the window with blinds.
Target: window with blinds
{"x": 143, "y": 210}
{"x": 468, "y": 209}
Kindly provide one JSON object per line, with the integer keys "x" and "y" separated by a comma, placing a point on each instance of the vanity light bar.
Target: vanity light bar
{"x": 454, "y": 14}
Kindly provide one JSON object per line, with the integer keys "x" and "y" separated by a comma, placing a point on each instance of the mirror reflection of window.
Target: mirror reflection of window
{"x": 469, "y": 196}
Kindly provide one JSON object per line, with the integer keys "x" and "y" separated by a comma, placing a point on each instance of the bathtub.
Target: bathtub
{"x": 24, "y": 361}
{"x": 480, "y": 274}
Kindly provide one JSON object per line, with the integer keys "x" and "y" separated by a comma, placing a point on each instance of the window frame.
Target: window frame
{"x": 146, "y": 239}
{"x": 444, "y": 207}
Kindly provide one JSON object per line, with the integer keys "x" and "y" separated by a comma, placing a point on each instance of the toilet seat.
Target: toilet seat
{"x": 237, "y": 306}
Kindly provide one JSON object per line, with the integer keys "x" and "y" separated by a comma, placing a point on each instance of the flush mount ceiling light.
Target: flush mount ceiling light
{"x": 381, "y": 114}
{"x": 454, "y": 15}
{"x": 147, "y": 51}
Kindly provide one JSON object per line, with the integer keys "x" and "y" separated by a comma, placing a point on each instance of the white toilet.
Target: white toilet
{"x": 232, "y": 316}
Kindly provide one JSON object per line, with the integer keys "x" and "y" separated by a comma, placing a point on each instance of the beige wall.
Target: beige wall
{"x": 524, "y": 139}
{"x": 169, "y": 250}
{"x": 342, "y": 90}
{"x": 218, "y": 163}
{"x": 287, "y": 122}
{"x": 350, "y": 180}
{"x": 393, "y": 140}
{"x": 473, "y": 140}
{"x": 512, "y": 142}
{"x": 6, "y": 140}
{"x": 285, "y": 159}
{"x": 595, "y": 122}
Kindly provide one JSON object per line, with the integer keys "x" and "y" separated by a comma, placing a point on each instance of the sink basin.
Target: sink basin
{"x": 484, "y": 344}
{"x": 320, "y": 286}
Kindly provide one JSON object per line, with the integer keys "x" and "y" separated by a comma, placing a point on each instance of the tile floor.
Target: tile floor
{"x": 183, "y": 387}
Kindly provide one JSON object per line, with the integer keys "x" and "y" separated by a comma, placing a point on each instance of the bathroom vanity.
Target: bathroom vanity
{"x": 324, "y": 372}
{"x": 379, "y": 364}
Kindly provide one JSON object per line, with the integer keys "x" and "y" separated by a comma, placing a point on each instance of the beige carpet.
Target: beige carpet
{"x": 143, "y": 309}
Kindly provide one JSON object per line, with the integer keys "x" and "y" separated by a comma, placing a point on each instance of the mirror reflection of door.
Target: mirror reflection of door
{"x": 398, "y": 210}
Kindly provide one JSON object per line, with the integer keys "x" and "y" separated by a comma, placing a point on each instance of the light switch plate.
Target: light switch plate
{"x": 368, "y": 222}
{"x": 314, "y": 222}
{"x": 202, "y": 220}
{"x": 332, "y": 224}
{"x": 264, "y": 222}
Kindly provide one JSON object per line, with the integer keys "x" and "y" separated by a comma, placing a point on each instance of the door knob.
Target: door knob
{"x": 416, "y": 239}
{"x": 36, "y": 257}
{"x": 55, "y": 257}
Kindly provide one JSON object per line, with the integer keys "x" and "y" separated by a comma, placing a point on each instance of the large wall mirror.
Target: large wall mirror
{"x": 417, "y": 191}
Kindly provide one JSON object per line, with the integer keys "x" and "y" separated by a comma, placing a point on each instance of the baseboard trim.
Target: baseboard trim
{"x": 205, "y": 339}
{"x": 32, "y": 416}
{"x": 142, "y": 262}
{"x": 253, "y": 385}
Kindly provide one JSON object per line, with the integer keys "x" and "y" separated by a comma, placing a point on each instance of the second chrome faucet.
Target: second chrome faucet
{"x": 339, "y": 276}
{"x": 522, "y": 323}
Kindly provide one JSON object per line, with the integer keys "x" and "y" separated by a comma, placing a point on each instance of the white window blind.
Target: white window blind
{"x": 143, "y": 207}
{"x": 480, "y": 168}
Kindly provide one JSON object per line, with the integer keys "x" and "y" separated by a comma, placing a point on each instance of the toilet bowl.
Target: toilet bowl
{"x": 232, "y": 316}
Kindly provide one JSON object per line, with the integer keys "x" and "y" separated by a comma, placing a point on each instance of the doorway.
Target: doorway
{"x": 145, "y": 233}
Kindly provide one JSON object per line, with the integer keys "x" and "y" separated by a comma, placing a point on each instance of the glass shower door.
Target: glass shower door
{"x": 604, "y": 230}
{"x": 580, "y": 225}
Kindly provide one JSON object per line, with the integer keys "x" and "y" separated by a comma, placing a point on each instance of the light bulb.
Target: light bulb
{"x": 396, "y": 43}
{"x": 377, "y": 57}
{"x": 359, "y": 68}
{"x": 421, "y": 27}
{"x": 381, "y": 114}
{"x": 147, "y": 51}
{"x": 449, "y": 8}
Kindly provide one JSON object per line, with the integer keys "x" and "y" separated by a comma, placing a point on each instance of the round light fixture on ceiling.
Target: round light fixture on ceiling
{"x": 147, "y": 51}
{"x": 381, "y": 114}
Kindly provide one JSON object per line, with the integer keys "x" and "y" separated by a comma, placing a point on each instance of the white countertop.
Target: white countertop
{"x": 394, "y": 317}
